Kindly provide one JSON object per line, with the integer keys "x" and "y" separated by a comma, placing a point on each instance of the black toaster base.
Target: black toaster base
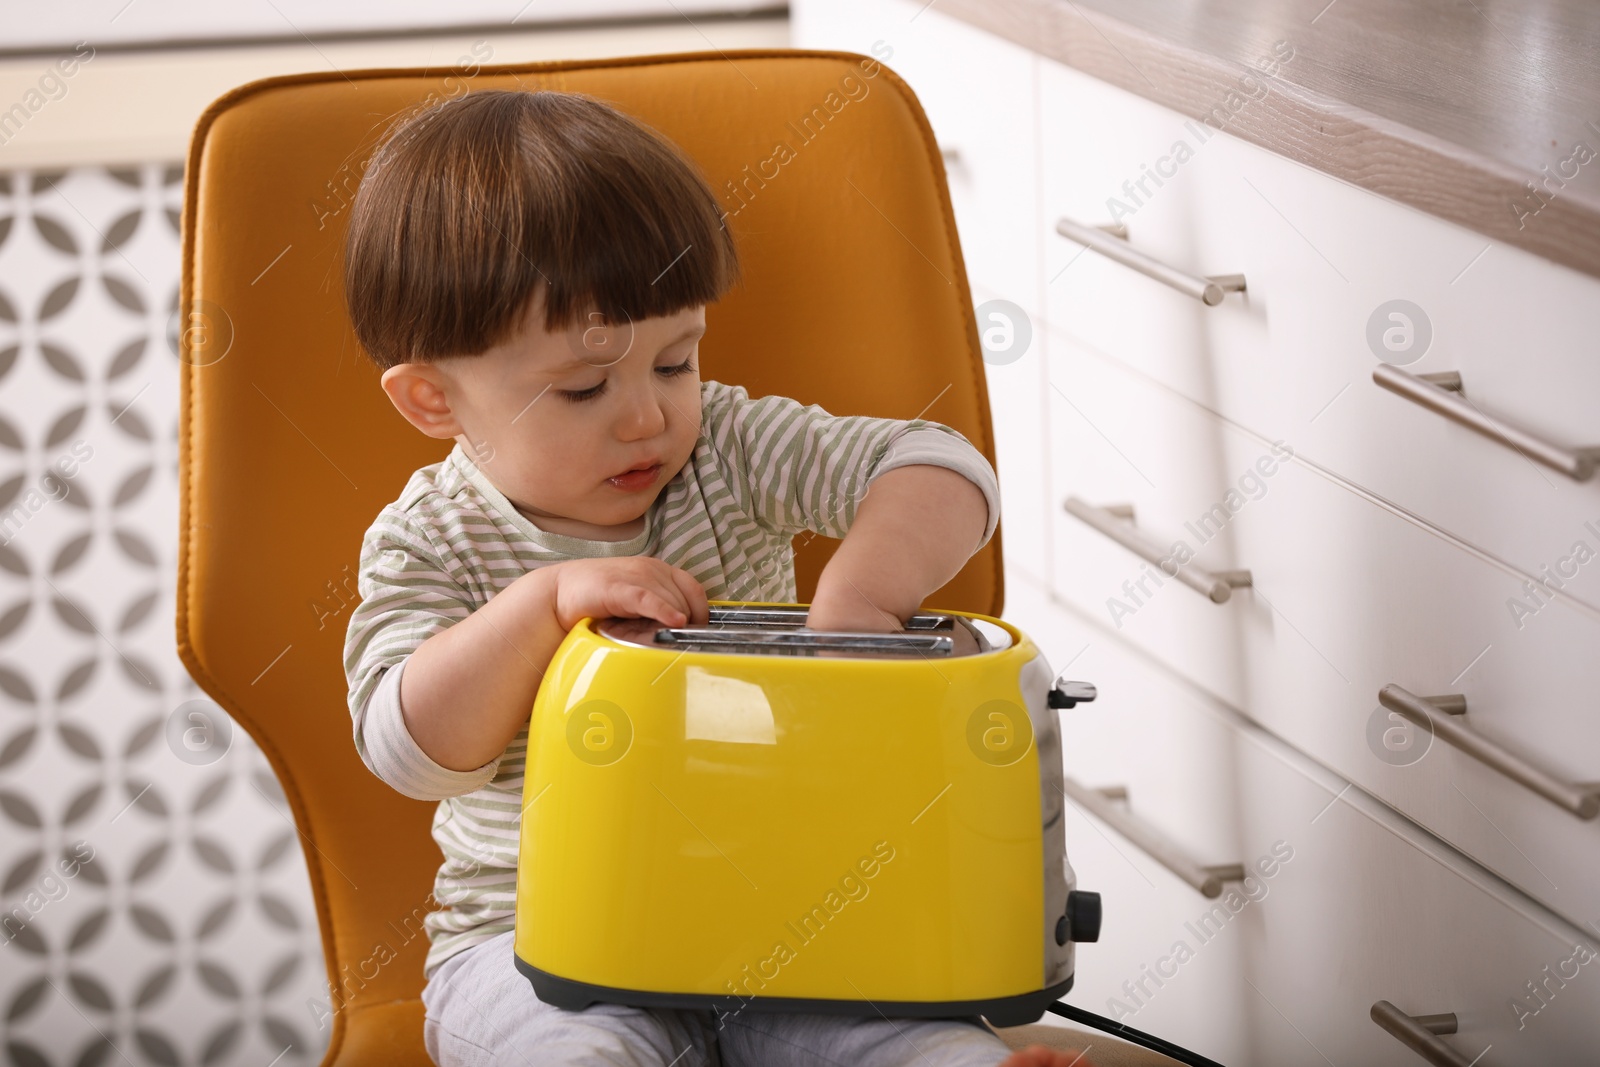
{"x": 1000, "y": 1011}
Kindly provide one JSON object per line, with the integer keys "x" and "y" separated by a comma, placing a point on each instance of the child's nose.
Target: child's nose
{"x": 643, "y": 412}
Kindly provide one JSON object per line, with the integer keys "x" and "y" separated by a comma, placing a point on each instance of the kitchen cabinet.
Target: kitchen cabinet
{"x": 1346, "y": 597}
{"x": 1347, "y": 903}
{"x": 1243, "y": 495}
{"x": 1339, "y": 283}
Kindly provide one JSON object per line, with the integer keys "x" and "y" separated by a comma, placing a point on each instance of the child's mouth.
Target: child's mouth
{"x": 635, "y": 480}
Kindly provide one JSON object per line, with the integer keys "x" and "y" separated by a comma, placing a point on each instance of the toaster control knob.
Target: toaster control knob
{"x": 1082, "y": 919}
{"x": 1065, "y": 694}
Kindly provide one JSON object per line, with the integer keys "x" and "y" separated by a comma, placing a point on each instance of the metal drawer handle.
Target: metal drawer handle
{"x": 1116, "y": 522}
{"x": 1208, "y": 880}
{"x": 1439, "y": 715}
{"x": 1442, "y": 394}
{"x": 1417, "y": 1033}
{"x": 1208, "y": 291}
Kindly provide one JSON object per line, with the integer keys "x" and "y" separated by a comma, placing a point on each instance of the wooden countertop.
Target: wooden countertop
{"x": 1450, "y": 106}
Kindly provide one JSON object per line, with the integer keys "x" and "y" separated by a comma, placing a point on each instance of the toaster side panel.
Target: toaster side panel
{"x": 1035, "y": 680}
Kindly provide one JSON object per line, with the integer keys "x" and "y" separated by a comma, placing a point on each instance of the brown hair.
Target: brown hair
{"x": 470, "y": 205}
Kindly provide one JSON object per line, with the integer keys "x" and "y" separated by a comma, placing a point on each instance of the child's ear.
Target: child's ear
{"x": 417, "y": 392}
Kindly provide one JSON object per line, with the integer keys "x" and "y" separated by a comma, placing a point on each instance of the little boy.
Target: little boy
{"x": 530, "y": 271}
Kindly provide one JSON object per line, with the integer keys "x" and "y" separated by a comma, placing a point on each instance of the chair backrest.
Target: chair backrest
{"x": 854, "y": 296}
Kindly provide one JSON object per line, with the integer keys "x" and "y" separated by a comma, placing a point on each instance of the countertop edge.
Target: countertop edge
{"x": 1380, "y": 155}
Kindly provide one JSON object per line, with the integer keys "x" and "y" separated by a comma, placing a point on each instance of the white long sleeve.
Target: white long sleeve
{"x": 390, "y": 752}
{"x": 944, "y": 447}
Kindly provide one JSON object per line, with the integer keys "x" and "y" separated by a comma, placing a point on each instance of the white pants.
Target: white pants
{"x": 481, "y": 1011}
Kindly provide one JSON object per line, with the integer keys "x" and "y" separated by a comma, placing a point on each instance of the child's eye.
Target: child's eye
{"x": 587, "y": 394}
{"x": 682, "y": 368}
{"x": 591, "y": 394}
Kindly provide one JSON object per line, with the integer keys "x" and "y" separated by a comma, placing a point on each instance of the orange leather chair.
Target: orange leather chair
{"x": 854, "y": 297}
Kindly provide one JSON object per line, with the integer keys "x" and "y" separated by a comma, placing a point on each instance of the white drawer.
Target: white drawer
{"x": 978, "y": 91}
{"x": 1291, "y": 359}
{"x": 1359, "y": 906}
{"x": 1098, "y": 142}
{"x": 1348, "y": 597}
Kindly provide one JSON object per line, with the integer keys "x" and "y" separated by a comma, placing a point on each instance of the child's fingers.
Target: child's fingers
{"x": 679, "y": 590}
{"x": 695, "y": 603}
{"x": 652, "y": 604}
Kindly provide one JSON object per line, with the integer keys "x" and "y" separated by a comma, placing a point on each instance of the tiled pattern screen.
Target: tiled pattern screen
{"x": 154, "y": 905}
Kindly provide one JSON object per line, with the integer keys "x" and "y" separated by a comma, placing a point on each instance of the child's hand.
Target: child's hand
{"x": 850, "y": 613}
{"x": 630, "y": 587}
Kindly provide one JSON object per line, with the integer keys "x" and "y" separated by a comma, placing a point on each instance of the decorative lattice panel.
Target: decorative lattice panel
{"x": 155, "y": 902}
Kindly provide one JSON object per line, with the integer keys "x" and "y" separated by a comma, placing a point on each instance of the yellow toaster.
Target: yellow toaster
{"x": 750, "y": 813}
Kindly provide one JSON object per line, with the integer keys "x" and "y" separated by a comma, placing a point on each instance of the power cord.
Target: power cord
{"x": 1128, "y": 1033}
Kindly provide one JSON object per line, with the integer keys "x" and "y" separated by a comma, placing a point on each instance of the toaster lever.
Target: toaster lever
{"x": 1065, "y": 694}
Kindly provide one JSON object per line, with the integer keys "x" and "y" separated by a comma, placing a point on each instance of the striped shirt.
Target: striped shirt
{"x": 762, "y": 472}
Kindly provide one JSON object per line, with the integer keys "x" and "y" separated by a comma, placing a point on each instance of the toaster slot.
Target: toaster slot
{"x": 796, "y": 617}
{"x": 780, "y": 631}
{"x": 795, "y": 642}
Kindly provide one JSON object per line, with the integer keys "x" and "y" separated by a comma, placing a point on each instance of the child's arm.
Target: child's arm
{"x": 468, "y": 690}
{"x": 912, "y": 499}
{"x": 443, "y": 678}
{"x": 915, "y": 529}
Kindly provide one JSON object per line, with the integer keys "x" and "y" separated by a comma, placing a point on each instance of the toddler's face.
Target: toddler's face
{"x": 553, "y": 418}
